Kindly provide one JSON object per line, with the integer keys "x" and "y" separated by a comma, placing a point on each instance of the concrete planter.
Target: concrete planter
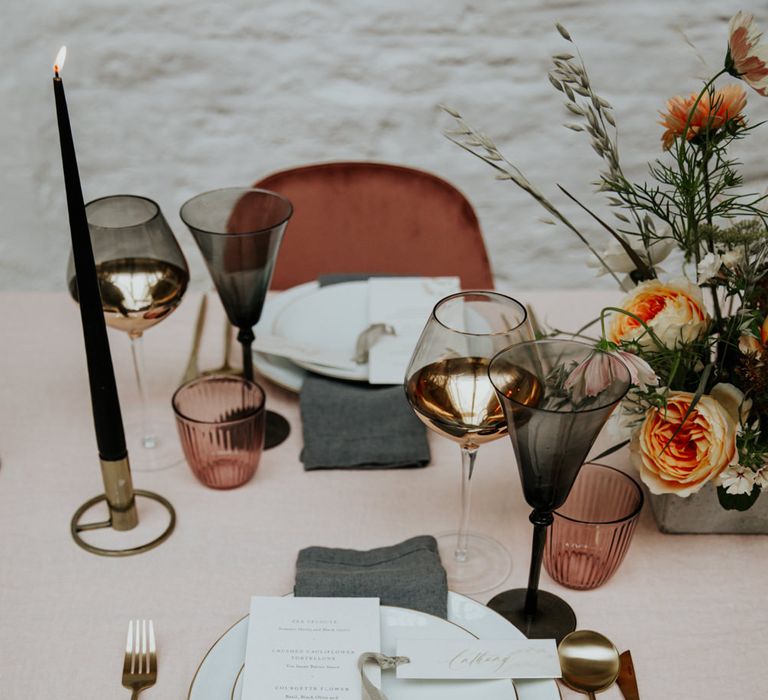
{"x": 701, "y": 514}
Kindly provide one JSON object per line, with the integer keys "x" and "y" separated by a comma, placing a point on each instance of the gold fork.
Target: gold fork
{"x": 140, "y": 664}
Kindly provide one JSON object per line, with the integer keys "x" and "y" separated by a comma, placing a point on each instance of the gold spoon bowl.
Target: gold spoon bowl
{"x": 589, "y": 662}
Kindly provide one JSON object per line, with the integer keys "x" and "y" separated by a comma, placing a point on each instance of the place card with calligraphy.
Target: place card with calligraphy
{"x": 308, "y": 648}
{"x": 478, "y": 659}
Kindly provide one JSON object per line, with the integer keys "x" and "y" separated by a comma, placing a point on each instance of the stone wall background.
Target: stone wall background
{"x": 172, "y": 98}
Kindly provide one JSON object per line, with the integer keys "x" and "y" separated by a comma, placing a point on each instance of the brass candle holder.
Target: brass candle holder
{"x": 120, "y": 497}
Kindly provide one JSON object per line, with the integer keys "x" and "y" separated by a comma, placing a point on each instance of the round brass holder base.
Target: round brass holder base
{"x": 76, "y": 528}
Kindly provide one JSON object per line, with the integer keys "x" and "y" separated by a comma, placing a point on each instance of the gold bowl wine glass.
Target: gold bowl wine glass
{"x": 142, "y": 277}
{"x": 448, "y": 387}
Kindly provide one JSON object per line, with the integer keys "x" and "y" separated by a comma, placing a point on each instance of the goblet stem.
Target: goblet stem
{"x": 245, "y": 337}
{"x": 541, "y": 521}
{"x": 468, "y": 457}
{"x": 148, "y": 437}
{"x": 277, "y": 428}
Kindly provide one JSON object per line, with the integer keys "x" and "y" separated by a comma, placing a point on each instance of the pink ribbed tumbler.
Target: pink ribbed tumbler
{"x": 221, "y": 425}
{"x": 593, "y": 528}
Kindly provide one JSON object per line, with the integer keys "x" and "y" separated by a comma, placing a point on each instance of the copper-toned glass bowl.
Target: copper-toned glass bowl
{"x": 221, "y": 425}
{"x": 593, "y": 528}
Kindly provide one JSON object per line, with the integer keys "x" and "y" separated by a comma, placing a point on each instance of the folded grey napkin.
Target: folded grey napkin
{"x": 337, "y": 278}
{"x": 408, "y": 575}
{"x": 348, "y": 424}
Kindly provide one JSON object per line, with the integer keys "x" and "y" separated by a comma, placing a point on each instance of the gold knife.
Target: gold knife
{"x": 193, "y": 371}
{"x": 627, "y": 681}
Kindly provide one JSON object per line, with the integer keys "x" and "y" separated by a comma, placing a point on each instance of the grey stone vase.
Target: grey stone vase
{"x": 702, "y": 514}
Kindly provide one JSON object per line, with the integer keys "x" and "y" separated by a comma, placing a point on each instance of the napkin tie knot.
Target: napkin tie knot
{"x": 370, "y": 691}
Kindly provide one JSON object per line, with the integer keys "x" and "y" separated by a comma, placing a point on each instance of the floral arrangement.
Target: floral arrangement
{"x": 696, "y": 344}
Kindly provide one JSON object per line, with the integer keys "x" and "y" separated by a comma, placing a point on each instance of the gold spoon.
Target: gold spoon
{"x": 589, "y": 662}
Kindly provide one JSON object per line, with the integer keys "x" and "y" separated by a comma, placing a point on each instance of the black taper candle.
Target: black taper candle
{"x": 105, "y": 403}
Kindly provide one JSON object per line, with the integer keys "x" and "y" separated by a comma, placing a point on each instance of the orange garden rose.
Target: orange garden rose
{"x": 708, "y": 116}
{"x": 674, "y": 311}
{"x": 682, "y": 463}
{"x": 746, "y": 58}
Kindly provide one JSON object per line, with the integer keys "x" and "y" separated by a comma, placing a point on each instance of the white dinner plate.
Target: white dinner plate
{"x": 279, "y": 370}
{"x": 330, "y": 318}
{"x": 217, "y": 676}
{"x": 339, "y": 311}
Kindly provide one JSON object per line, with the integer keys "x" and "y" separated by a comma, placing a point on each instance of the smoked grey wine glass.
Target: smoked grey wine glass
{"x": 238, "y": 231}
{"x": 448, "y": 388}
{"x": 556, "y": 396}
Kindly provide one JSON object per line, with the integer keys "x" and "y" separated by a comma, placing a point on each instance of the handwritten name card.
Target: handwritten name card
{"x": 478, "y": 659}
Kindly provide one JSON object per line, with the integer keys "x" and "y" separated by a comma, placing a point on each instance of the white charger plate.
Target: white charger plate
{"x": 218, "y": 673}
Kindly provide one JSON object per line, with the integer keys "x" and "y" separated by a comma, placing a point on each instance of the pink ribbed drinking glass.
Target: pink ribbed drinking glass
{"x": 221, "y": 425}
{"x": 593, "y": 528}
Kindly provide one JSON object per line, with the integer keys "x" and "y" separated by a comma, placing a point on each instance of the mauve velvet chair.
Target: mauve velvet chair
{"x": 378, "y": 218}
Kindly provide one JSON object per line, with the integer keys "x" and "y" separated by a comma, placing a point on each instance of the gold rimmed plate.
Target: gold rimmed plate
{"x": 400, "y": 623}
{"x": 217, "y": 676}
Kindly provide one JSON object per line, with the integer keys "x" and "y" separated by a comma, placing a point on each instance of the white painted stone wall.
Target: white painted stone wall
{"x": 172, "y": 98}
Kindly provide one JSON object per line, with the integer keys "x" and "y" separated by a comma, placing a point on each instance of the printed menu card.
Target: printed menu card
{"x": 307, "y": 648}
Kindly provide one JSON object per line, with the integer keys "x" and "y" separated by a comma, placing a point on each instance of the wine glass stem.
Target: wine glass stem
{"x": 541, "y": 521}
{"x": 148, "y": 438}
{"x": 468, "y": 457}
{"x": 245, "y": 337}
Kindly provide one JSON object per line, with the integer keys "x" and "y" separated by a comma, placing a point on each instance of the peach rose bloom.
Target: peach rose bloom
{"x": 709, "y": 115}
{"x": 747, "y": 59}
{"x": 673, "y": 310}
{"x": 703, "y": 448}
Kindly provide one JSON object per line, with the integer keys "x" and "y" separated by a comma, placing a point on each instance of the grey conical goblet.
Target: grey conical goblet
{"x": 238, "y": 231}
{"x": 556, "y": 396}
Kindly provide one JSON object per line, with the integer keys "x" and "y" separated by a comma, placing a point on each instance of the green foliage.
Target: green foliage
{"x": 693, "y": 196}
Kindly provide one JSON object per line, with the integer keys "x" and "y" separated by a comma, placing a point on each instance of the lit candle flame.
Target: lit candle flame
{"x": 60, "y": 58}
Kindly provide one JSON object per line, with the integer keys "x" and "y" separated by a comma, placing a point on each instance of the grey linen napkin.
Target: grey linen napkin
{"x": 351, "y": 424}
{"x": 356, "y": 425}
{"x": 408, "y": 575}
{"x": 337, "y": 278}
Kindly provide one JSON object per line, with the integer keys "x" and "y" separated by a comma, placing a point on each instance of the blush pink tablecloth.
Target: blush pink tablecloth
{"x": 691, "y": 608}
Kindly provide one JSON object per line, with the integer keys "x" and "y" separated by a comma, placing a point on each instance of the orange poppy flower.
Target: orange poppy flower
{"x": 711, "y": 113}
